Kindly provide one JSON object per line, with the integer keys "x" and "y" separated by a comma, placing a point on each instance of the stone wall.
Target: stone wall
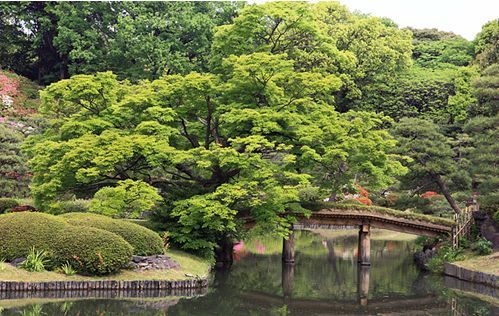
{"x": 470, "y": 275}
{"x": 9, "y": 289}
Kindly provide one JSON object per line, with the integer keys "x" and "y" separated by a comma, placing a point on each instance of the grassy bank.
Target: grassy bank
{"x": 487, "y": 264}
{"x": 189, "y": 265}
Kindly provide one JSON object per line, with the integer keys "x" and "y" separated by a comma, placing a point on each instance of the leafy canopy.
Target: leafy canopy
{"x": 218, "y": 147}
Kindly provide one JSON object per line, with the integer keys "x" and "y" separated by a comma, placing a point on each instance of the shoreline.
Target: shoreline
{"x": 471, "y": 275}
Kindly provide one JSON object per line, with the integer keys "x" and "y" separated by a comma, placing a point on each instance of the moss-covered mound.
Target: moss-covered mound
{"x": 91, "y": 251}
{"x": 144, "y": 241}
{"x": 19, "y": 232}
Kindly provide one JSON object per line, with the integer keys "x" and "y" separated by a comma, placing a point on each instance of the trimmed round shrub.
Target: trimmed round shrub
{"x": 19, "y": 232}
{"x": 7, "y": 203}
{"x": 144, "y": 241}
{"x": 90, "y": 250}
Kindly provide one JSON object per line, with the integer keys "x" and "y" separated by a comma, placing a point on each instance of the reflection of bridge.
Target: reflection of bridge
{"x": 394, "y": 306}
{"x": 366, "y": 219}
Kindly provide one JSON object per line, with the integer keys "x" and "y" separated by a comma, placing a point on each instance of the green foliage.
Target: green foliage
{"x": 6, "y": 204}
{"x": 36, "y": 261}
{"x": 128, "y": 199}
{"x": 215, "y": 146}
{"x": 487, "y": 44}
{"x": 74, "y": 206}
{"x": 14, "y": 177}
{"x": 431, "y": 158}
{"x": 486, "y": 92}
{"x": 445, "y": 254}
{"x": 443, "y": 95}
{"x": 144, "y": 241}
{"x": 90, "y": 250}
{"x": 47, "y": 41}
{"x": 482, "y": 247}
{"x": 2, "y": 264}
{"x": 433, "y": 48}
{"x": 25, "y": 230}
{"x": 484, "y": 132}
{"x": 322, "y": 37}
{"x": 67, "y": 269}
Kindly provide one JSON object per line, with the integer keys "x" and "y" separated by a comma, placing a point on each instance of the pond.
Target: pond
{"x": 325, "y": 280}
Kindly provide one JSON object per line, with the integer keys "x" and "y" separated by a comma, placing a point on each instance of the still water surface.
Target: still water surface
{"x": 324, "y": 281}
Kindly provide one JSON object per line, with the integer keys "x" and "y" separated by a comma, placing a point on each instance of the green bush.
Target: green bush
{"x": 24, "y": 230}
{"x": 496, "y": 217}
{"x": 91, "y": 251}
{"x": 74, "y": 206}
{"x": 482, "y": 247}
{"x": 36, "y": 261}
{"x": 445, "y": 254}
{"x": 144, "y": 241}
{"x": 7, "y": 203}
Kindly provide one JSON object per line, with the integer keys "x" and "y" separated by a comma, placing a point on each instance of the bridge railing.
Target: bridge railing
{"x": 464, "y": 221}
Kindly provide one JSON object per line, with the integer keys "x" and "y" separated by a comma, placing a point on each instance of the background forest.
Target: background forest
{"x": 200, "y": 113}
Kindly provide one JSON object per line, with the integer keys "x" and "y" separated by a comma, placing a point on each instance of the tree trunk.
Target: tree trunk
{"x": 446, "y": 192}
{"x": 224, "y": 252}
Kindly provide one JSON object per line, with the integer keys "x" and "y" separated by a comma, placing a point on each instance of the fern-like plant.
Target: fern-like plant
{"x": 67, "y": 269}
{"x": 35, "y": 261}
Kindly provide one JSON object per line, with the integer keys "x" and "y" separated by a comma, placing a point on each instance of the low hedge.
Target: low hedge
{"x": 144, "y": 241}
{"x": 21, "y": 231}
{"x": 7, "y": 203}
{"x": 91, "y": 251}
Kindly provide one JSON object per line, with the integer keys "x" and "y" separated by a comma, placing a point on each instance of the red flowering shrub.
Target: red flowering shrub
{"x": 364, "y": 200}
{"x": 428, "y": 194}
{"x": 8, "y": 86}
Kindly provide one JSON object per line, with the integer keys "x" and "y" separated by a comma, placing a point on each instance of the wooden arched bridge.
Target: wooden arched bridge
{"x": 366, "y": 218}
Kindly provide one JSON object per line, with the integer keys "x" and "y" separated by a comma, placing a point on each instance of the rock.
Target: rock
{"x": 189, "y": 275}
{"x": 155, "y": 262}
{"x": 17, "y": 262}
{"x": 421, "y": 258}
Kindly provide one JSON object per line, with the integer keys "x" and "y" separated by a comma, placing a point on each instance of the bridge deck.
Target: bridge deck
{"x": 422, "y": 225}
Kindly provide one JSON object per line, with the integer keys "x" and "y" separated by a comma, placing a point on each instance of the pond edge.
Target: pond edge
{"x": 139, "y": 285}
{"x": 471, "y": 275}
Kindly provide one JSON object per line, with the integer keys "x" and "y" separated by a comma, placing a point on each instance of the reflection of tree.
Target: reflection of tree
{"x": 324, "y": 272}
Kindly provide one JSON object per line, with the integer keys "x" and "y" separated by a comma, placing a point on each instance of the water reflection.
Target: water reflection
{"x": 325, "y": 280}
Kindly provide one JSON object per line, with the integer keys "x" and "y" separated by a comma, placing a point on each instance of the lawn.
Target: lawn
{"x": 189, "y": 265}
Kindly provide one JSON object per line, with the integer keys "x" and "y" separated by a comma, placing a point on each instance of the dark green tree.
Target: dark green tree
{"x": 14, "y": 174}
{"x": 487, "y": 92}
{"x": 485, "y": 159}
{"x": 432, "y": 159}
{"x": 487, "y": 44}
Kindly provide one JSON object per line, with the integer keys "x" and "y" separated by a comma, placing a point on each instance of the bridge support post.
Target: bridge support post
{"x": 364, "y": 251}
{"x": 288, "y": 249}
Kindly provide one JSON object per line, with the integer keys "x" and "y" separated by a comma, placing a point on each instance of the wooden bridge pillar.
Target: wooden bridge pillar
{"x": 364, "y": 253}
{"x": 288, "y": 248}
